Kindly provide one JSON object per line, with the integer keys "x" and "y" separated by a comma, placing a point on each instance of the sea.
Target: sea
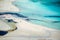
{"x": 40, "y": 13}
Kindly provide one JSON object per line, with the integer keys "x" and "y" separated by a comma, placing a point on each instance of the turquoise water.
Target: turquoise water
{"x": 39, "y": 13}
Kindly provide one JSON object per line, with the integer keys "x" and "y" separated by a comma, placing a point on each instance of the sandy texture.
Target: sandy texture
{"x": 29, "y": 31}
{"x": 7, "y": 6}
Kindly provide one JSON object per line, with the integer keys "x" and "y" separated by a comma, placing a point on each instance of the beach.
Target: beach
{"x": 29, "y": 31}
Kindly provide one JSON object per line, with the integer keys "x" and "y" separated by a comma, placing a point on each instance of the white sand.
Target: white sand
{"x": 7, "y": 6}
{"x": 4, "y": 26}
{"x": 27, "y": 29}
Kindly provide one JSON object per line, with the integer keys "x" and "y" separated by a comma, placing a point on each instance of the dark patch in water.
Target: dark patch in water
{"x": 43, "y": 20}
{"x": 34, "y": 0}
{"x": 52, "y": 16}
{"x": 48, "y": 2}
{"x": 19, "y": 15}
{"x": 56, "y": 22}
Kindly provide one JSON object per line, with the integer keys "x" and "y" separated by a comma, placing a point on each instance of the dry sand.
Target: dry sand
{"x": 29, "y": 31}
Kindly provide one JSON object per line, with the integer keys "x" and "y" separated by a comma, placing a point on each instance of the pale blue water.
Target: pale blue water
{"x": 39, "y": 13}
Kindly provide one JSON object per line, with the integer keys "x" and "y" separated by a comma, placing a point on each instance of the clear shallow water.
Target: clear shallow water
{"x": 39, "y": 13}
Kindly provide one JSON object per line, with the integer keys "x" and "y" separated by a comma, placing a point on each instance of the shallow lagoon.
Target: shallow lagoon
{"x": 44, "y": 14}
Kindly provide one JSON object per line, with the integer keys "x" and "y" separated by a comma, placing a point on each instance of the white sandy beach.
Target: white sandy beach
{"x": 26, "y": 30}
{"x": 7, "y": 6}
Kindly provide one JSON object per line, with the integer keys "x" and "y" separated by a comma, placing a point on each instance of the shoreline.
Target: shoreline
{"x": 19, "y": 15}
{"x": 25, "y": 28}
